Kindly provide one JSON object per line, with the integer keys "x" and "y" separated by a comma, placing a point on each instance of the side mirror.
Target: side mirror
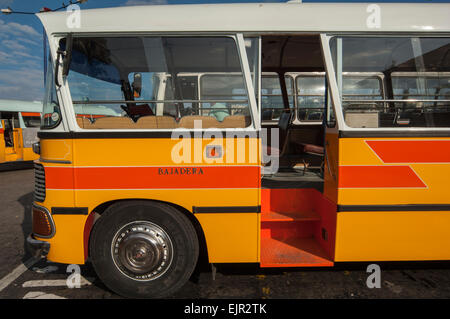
{"x": 137, "y": 84}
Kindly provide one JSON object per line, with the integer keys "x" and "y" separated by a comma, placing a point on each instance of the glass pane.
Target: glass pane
{"x": 51, "y": 114}
{"x": 223, "y": 88}
{"x": 272, "y": 98}
{"x": 361, "y": 87}
{"x": 310, "y": 97}
{"x": 142, "y": 77}
{"x": 415, "y": 72}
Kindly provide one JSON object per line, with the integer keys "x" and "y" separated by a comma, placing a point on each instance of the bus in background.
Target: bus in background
{"x": 19, "y": 124}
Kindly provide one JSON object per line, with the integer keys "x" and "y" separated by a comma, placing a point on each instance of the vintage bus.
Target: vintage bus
{"x": 19, "y": 124}
{"x": 288, "y": 135}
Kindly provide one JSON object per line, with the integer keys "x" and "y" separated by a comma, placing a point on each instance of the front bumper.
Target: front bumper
{"x": 37, "y": 248}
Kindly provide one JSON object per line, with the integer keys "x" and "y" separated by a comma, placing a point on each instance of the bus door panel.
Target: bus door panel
{"x": 392, "y": 193}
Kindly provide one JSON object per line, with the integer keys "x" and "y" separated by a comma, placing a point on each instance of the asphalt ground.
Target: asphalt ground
{"x": 24, "y": 278}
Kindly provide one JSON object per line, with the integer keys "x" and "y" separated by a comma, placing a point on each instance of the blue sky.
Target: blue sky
{"x": 21, "y": 49}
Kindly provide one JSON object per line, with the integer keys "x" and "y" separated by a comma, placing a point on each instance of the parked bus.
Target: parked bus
{"x": 19, "y": 124}
{"x": 217, "y": 106}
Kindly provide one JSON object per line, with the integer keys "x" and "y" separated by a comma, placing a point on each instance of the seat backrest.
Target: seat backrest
{"x": 235, "y": 121}
{"x": 166, "y": 122}
{"x": 156, "y": 122}
{"x": 113, "y": 122}
{"x": 206, "y": 121}
{"x": 84, "y": 122}
{"x": 147, "y": 122}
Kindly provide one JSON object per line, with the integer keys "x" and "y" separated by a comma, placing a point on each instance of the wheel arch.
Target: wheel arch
{"x": 97, "y": 212}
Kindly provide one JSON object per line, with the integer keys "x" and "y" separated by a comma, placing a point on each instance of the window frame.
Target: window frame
{"x": 239, "y": 41}
{"x": 346, "y": 130}
{"x": 274, "y": 74}
{"x": 297, "y": 106}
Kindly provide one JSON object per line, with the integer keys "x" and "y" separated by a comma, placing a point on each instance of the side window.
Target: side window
{"x": 31, "y": 119}
{"x": 158, "y": 83}
{"x": 51, "y": 112}
{"x": 10, "y": 121}
{"x": 415, "y": 72}
{"x": 310, "y": 97}
{"x": 411, "y": 85}
{"x": 226, "y": 94}
{"x": 271, "y": 97}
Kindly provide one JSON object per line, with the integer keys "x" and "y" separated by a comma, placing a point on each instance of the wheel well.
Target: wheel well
{"x": 203, "y": 255}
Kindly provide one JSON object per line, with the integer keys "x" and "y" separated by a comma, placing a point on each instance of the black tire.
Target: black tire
{"x": 131, "y": 236}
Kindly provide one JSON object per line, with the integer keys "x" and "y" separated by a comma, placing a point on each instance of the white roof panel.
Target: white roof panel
{"x": 262, "y": 17}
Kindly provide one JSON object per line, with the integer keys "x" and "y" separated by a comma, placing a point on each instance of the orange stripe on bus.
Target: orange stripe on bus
{"x": 379, "y": 177}
{"x": 31, "y": 114}
{"x": 152, "y": 177}
{"x": 412, "y": 151}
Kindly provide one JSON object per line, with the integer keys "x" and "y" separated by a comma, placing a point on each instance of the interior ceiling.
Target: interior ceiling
{"x": 291, "y": 53}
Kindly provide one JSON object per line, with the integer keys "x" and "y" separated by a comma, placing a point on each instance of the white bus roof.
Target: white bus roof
{"x": 20, "y": 106}
{"x": 255, "y": 17}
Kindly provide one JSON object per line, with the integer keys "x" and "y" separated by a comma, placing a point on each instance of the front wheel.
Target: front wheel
{"x": 143, "y": 249}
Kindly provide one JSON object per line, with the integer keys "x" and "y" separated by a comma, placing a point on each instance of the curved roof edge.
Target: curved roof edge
{"x": 254, "y": 17}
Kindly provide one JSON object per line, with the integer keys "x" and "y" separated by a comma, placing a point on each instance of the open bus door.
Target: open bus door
{"x": 388, "y": 159}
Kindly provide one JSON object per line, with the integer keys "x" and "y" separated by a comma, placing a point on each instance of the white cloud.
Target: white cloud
{"x": 19, "y": 58}
{"x": 33, "y": 41}
{"x": 23, "y": 83}
{"x": 4, "y": 57}
{"x": 13, "y": 45}
{"x": 17, "y": 29}
{"x": 21, "y": 73}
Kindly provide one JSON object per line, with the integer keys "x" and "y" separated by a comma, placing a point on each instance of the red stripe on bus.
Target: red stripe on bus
{"x": 152, "y": 177}
{"x": 379, "y": 177}
{"x": 31, "y": 114}
{"x": 412, "y": 151}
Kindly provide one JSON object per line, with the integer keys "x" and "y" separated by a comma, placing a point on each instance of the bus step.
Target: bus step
{"x": 293, "y": 252}
{"x": 296, "y": 228}
{"x": 270, "y": 216}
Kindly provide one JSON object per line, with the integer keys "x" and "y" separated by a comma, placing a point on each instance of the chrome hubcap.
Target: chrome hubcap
{"x": 142, "y": 250}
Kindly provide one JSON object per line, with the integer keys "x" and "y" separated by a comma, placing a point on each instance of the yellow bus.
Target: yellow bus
{"x": 288, "y": 135}
{"x": 19, "y": 124}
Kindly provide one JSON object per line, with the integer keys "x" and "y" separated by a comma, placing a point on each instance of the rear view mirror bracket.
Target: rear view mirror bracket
{"x": 67, "y": 57}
